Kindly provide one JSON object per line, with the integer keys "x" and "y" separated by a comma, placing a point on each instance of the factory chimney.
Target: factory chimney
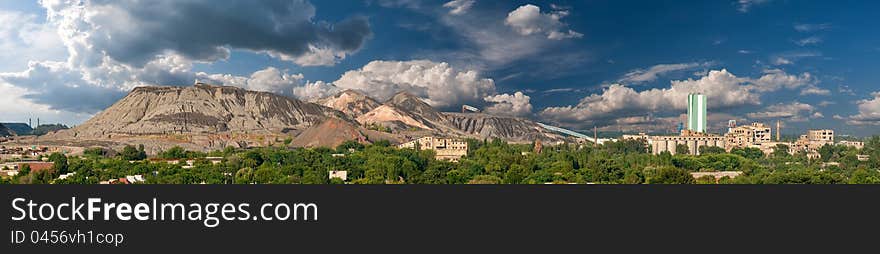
{"x": 778, "y": 131}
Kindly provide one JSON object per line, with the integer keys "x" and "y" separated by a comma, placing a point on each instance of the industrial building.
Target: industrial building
{"x": 695, "y": 137}
{"x": 753, "y": 135}
{"x": 820, "y": 135}
{"x": 695, "y": 141}
{"x": 854, "y": 144}
{"x": 697, "y": 121}
{"x": 444, "y": 148}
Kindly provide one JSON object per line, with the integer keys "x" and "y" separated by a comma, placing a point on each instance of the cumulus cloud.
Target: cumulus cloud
{"x": 528, "y": 19}
{"x": 869, "y": 112}
{"x": 651, "y": 74}
{"x": 458, "y": 7}
{"x": 269, "y": 79}
{"x": 24, "y": 38}
{"x": 114, "y": 46}
{"x": 776, "y": 79}
{"x": 134, "y": 32}
{"x": 517, "y": 104}
{"x": 59, "y": 87}
{"x": 793, "y": 112}
{"x": 723, "y": 89}
{"x": 439, "y": 84}
{"x": 315, "y": 90}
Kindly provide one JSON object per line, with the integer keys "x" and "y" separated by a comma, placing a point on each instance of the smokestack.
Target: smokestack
{"x": 595, "y": 134}
{"x": 778, "y": 131}
{"x": 30, "y": 123}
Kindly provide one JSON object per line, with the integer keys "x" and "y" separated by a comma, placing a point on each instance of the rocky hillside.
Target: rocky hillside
{"x": 350, "y": 102}
{"x": 202, "y": 109}
{"x": 492, "y": 126}
{"x": 414, "y": 105}
{"x": 405, "y": 112}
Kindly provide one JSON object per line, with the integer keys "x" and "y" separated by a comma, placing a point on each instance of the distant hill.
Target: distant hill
{"x": 406, "y": 112}
{"x": 19, "y": 128}
{"x": 6, "y": 131}
{"x": 44, "y": 129}
{"x": 209, "y": 117}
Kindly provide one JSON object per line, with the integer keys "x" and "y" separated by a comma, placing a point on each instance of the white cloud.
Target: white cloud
{"x": 316, "y": 56}
{"x": 746, "y": 5}
{"x": 315, "y": 90}
{"x": 24, "y": 38}
{"x": 273, "y": 80}
{"x": 561, "y": 90}
{"x": 782, "y": 61}
{"x": 723, "y": 89}
{"x": 777, "y": 79}
{"x": 812, "y": 40}
{"x": 458, "y": 7}
{"x": 651, "y": 74}
{"x": 793, "y": 112}
{"x": 114, "y": 46}
{"x": 806, "y": 28}
{"x": 59, "y": 87}
{"x": 826, "y": 103}
{"x": 869, "y": 112}
{"x": 790, "y": 57}
{"x": 438, "y": 83}
{"x": 17, "y": 108}
{"x": 517, "y": 104}
{"x": 814, "y": 90}
{"x": 528, "y": 20}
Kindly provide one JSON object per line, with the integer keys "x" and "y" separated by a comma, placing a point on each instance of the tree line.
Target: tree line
{"x": 487, "y": 162}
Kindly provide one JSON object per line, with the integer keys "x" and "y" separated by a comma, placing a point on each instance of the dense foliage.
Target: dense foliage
{"x": 487, "y": 162}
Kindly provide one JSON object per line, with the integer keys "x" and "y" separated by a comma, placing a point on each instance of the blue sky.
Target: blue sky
{"x": 619, "y": 65}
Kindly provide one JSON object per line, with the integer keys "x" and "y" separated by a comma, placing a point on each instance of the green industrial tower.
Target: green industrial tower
{"x": 697, "y": 112}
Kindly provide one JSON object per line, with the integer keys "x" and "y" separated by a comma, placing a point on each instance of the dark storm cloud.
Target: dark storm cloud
{"x": 61, "y": 88}
{"x": 135, "y": 32}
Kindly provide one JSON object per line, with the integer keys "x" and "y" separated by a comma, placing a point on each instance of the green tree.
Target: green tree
{"x": 130, "y": 153}
{"x": 671, "y": 175}
{"x": 59, "y": 163}
{"x": 244, "y": 176}
{"x": 781, "y": 151}
{"x": 704, "y": 150}
{"x": 748, "y": 152}
{"x": 865, "y": 176}
{"x": 682, "y": 149}
{"x": 485, "y": 179}
{"x": 516, "y": 174}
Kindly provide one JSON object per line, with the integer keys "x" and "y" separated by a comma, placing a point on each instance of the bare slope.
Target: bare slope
{"x": 350, "y": 102}
{"x": 331, "y": 133}
{"x": 202, "y": 109}
{"x": 492, "y": 126}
